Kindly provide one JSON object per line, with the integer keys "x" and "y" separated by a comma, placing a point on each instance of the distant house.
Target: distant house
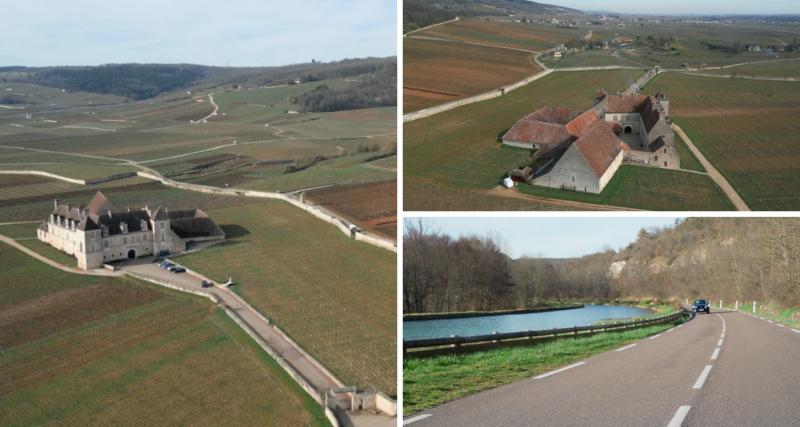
{"x": 100, "y": 233}
{"x": 582, "y": 151}
{"x": 754, "y": 48}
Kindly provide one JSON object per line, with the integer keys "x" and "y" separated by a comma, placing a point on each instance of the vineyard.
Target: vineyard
{"x": 460, "y": 147}
{"x": 436, "y": 72}
{"x": 509, "y": 34}
{"x": 747, "y": 129}
{"x": 334, "y": 296}
{"x": 372, "y": 206}
{"x": 141, "y": 353}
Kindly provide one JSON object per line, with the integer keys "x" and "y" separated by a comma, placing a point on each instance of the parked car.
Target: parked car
{"x": 158, "y": 260}
{"x": 701, "y": 305}
{"x": 206, "y": 284}
{"x": 166, "y": 265}
{"x": 177, "y": 269}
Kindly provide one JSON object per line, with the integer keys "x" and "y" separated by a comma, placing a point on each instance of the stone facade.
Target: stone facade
{"x": 99, "y": 233}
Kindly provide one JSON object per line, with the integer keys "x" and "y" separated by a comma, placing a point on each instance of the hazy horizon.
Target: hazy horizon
{"x": 566, "y": 237}
{"x": 683, "y": 7}
{"x": 237, "y": 33}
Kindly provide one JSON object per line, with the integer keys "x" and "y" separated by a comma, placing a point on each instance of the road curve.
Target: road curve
{"x": 713, "y": 173}
{"x": 721, "y": 369}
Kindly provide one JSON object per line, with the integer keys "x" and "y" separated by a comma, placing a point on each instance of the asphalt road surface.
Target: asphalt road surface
{"x": 723, "y": 369}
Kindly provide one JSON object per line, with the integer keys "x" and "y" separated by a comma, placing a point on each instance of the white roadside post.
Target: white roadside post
{"x": 736, "y": 306}
{"x": 720, "y": 303}
{"x": 754, "y": 307}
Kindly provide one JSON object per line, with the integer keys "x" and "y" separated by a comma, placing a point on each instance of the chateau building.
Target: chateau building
{"x": 582, "y": 151}
{"x": 100, "y": 233}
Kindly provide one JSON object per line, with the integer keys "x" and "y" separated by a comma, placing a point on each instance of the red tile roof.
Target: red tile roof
{"x": 625, "y": 103}
{"x": 580, "y": 124}
{"x": 536, "y": 132}
{"x": 558, "y": 115}
{"x": 599, "y": 147}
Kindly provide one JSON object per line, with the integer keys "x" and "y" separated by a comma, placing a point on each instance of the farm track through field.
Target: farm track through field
{"x": 565, "y": 204}
{"x": 713, "y": 173}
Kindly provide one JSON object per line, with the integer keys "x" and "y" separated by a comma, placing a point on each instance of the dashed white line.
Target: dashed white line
{"x": 679, "y": 416}
{"x": 781, "y": 325}
{"x": 654, "y": 337}
{"x": 702, "y": 378}
{"x": 770, "y": 321}
{"x": 557, "y": 371}
{"x": 719, "y": 343}
{"x": 715, "y": 354}
{"x": 408, "y": 421}
{"x": 626, "y": 347}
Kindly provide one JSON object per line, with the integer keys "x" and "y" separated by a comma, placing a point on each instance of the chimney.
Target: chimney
{"x": 55, "y": 203}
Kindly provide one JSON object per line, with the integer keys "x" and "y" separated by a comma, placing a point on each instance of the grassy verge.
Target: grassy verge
{"x": 688, "y": 159}
{"x": 432, "y": 381}
{"x": 782, "y": 315}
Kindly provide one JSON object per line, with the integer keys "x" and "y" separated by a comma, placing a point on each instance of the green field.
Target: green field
{"x": 140, "y": 353}
{"x": 27, "y": 198}
{"x": 688, "y": 160}
{"x": 460, "y": 148}
{"x": 789, "y": 68}
{"x": 334, "y": 296}
{"x": 591, "y": 58}
{"x": 649, "y": 188}
{"x": 746, "y": 128}
{"x": 431, "y": 381}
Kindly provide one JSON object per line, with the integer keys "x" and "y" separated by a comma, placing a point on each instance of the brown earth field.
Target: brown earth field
{"x": 438, "y": 71}
{"x": 372, "y": 206}
{"x": 509, "y": 34}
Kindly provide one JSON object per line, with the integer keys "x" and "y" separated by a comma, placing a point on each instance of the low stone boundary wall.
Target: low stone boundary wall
{"x": 360, "y": 236}
{"x": 167, "y": 285}
{"x": 427, "y": 112}
{"x": 45, "y": 174}
{"x": 386, "y": 404}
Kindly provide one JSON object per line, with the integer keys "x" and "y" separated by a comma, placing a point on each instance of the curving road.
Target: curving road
{"x": 722, "y": 369}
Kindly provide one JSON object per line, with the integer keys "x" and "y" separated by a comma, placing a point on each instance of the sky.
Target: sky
{"x": 675, "y": 7}
{"x": 549, "y": 237}
{"x": 234, "y": 32}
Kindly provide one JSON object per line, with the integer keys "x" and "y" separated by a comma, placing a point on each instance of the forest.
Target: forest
{"x": 374, "y": 89}
{"x": 742, "y": 259}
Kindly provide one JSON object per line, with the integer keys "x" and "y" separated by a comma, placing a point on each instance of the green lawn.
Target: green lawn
{"x": 432, "y": 381}
{"x": 84, "y": 350}
{"x": 336, "y": 297}
{"x": 642, "y": 187}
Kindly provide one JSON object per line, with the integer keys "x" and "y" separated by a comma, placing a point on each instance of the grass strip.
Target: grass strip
{"x": 428, "y": 382}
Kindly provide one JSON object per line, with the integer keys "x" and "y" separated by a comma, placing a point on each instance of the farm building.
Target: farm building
{"x": 100, "y": 233}
{"x": 581, "y": 151}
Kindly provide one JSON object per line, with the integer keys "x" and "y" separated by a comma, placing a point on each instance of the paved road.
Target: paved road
{"x": 713, "y": 173}
{"x": 751, "y": 380}
{"x": 44, "y": 259}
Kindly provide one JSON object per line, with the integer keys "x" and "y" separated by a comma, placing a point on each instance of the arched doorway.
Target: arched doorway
{"x": 131, "y": 254}
{"x": 628, "y": 129}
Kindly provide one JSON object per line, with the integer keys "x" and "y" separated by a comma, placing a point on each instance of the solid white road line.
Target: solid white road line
{"x": 702, "y": 378}
{"x": 719, "y": 343}
{"x": 557, "y": 371}
{"x": 795, "y": 330}
{"x": 626, "y": 347}
{"x": 408, "y": 421}
{"x": 679, "y": 416}
{"x": 715, "y": 354}
{"x": 654, "y": 337}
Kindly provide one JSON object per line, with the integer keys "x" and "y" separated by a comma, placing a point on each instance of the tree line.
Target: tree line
{"x": 374, "y": 89}
{"x": 742, "y": 259}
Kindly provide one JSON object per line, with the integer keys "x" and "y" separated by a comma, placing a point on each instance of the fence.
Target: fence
{"x": 478, "y": 342}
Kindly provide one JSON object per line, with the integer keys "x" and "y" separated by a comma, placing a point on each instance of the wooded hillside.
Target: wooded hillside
{"x": 731, "y": 259}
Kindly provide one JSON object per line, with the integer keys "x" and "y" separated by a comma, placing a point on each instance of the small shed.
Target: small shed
{"x": 508, "y": 182}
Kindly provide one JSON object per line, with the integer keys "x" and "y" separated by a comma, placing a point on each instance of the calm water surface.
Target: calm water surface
{"x": 440, "y": 328}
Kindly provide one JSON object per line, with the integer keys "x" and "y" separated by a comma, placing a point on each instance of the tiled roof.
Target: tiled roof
{"x": 580, "y": 124}
{"x": 599, "y": 147}
{"x": 557, "y": 115}
{"x": 100, "y": 204}
{"x": 537, "y": 132}
{"x": 625, "y": 103}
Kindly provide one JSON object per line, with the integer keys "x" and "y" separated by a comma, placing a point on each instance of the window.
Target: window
{"x": 573, "y": 179}
{"x": 162, "y": 237}
{"x": 665, "y": 150}
{"x": 125, "y": 239}
{"x": 105, "y": 243}
{"x": 616, "y": 118}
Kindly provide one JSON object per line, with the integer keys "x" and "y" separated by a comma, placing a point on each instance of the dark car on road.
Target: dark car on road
{"x": 177, "y": 269}
{"x": 701, "y": 305}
